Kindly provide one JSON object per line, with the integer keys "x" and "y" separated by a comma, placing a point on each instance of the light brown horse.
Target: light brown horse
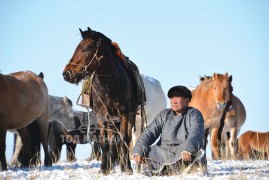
{"x": 211, "y": 97}
{"x": 253, "y": 145}
{"x": 23, "y": 100}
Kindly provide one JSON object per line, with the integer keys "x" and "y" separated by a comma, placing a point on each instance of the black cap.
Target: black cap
{"x": 180, "y": 91}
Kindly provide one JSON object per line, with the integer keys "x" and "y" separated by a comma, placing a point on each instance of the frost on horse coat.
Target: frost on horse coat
{"x": 211, "y": 96}
{"x": 23, "y": 100}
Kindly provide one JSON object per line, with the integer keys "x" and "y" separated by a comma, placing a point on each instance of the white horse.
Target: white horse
{"x": 155, "y": 103}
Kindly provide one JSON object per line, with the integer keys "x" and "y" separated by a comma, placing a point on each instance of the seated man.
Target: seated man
{"x": 181, "y": 131}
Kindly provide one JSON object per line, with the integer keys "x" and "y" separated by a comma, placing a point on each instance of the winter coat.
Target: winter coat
{"x": 177, "y": 133}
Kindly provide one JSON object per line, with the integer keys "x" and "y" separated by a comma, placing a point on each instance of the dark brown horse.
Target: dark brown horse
{"x": 23, "y": 100}
{"x": 253, "y": 145}
{"x": 114, "y": 93}
{"x": 213, "y": 97}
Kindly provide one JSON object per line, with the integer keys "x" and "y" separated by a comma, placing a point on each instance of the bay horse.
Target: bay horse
{"x": 253, "y": 145}
{"x": 116, "y": 92}
{"x": 214, "y": 97}
{"x": 23, "y": 100}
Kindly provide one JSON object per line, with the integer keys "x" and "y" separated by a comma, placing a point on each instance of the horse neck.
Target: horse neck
{"x": 109, "y": 65}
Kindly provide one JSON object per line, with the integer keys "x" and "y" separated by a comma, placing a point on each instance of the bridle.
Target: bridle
{"x": 85, "y": 67}
{"x": 95, "y": 57}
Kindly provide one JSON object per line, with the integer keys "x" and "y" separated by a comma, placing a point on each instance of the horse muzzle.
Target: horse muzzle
{"x": 221, "y": 105}
{"x": 227, "y": 105}
{"x": 72, "y": 78}
{"x": 67, "y": 76}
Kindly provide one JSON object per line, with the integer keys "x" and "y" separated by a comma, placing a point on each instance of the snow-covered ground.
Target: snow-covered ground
{"x": 90, "y": 170}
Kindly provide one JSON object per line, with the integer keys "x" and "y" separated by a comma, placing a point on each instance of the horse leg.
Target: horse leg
{"x": 25, "y": 154}
{"x": 113, "y": 141}
{"x": 240, "y": 150}
{"x": 105, "y": 166}
{"x": 42, "y": 123}
{"x": 205, "y": 138}
{"x": 232, "y": 141}
{"x": 126, "y": 133}
{"x": 3, "y": 149}
{"x": 35, "y": 144}
{"x": 215, "y": 144}
{"x": 71, "y": 150}
{"x": 97, "y": 150}
{"x": 17, "y": 149}
{"x": 247, "y": 151}
{"x": 57, "y": 151}
{"x": 227, "y": 149}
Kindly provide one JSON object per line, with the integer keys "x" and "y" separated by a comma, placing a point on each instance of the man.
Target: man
{"x": 181, "y": 131}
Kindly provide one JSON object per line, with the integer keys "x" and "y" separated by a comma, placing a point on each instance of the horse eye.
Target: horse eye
{"x": 86, "y": 49}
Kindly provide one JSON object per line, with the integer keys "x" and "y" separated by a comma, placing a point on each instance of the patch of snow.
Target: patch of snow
{"x": 228, "y": 169}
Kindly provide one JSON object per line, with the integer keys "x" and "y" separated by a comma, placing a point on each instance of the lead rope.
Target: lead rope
{"x": 89, "y": 119}
{"x": 88, "y": 128}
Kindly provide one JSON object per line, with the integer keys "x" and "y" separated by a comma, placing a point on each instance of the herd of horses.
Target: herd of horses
{"x": 122, "y": 102}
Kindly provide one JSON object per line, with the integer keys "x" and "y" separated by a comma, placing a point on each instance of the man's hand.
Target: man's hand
{"x": 186, "y": 156}
{"x": 138, "y": 159}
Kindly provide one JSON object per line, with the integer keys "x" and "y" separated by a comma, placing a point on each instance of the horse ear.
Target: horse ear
{"x": 90, "y": 31}
{"x": 230, "y": 78}
{"x": 82, "y": 33}
{"x": 201, "y": 78}
{"x": 226, "y": 75}
{"x": 214, "y": 76}
{"x": 67, "y": 101}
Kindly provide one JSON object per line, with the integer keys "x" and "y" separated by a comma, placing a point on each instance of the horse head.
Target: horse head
{"x": 87, "y": 56}
{"x": 222, "y": 90}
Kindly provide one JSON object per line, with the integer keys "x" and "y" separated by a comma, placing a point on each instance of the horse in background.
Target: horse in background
{"x": 61, "y": 121}
{"x": 214, "y": 97}
{"x": 24, "y": 99}
{"x": 116, "y": 92}
{"x": 253, "y": 145}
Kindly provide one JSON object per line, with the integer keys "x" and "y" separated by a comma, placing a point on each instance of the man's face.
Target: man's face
{"x": 178, "y": 103}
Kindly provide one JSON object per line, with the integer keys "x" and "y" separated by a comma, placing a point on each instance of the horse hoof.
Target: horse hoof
{"x": 48, "y": 163}
{"x": 104, "y": 171}
{"x": 128, "y": 171}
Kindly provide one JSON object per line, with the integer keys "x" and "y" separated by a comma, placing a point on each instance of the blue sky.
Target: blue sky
{"x": 172, "y": 41}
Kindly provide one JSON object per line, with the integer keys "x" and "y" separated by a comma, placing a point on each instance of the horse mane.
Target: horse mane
{"x": 94, "y": 35}
{"x": 205, "y": 78}
{"x": 118, "y": 52}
